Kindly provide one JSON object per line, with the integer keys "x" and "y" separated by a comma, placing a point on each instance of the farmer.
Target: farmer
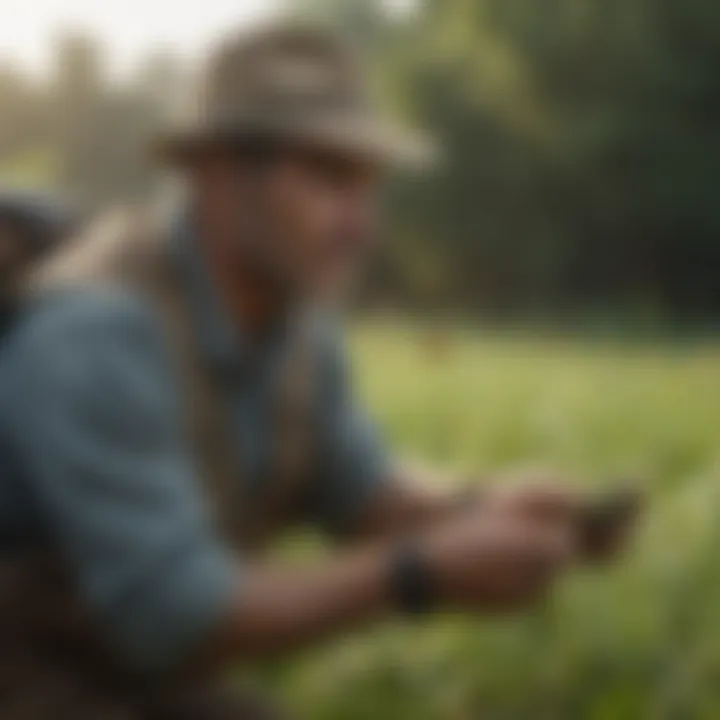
{"x": 177, "y": 395}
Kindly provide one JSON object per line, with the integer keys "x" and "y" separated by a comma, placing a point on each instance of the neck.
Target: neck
{"x": 250, "y": 297}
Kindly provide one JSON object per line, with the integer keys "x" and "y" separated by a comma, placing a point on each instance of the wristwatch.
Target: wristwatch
{"x": 411, "y": 579}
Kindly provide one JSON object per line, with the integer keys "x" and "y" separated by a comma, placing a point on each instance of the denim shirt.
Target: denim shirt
{"x": 95, "y": 460}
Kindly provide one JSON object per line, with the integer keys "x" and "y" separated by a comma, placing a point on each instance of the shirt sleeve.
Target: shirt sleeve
{"x": 95, "y": 421}
{"x": 353, "y": 461}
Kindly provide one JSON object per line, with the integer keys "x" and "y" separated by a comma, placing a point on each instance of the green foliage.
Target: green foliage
{"x": 632, "y": 642}
{"x": 579, "y": 136}
{"x": 580, "y": 150}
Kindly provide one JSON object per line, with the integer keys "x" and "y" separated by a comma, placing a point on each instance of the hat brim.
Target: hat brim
{"x": 366, "y": 140}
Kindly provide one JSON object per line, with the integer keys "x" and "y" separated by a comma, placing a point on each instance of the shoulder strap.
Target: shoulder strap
{"x": 294, "y": 457}
{"x": 130, "y": 248}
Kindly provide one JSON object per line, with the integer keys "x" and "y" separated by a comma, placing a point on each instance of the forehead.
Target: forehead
{"x": 331, "y": 165}
{"x": 297, "y": 160}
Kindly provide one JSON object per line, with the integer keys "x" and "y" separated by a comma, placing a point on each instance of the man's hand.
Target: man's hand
{"x": 476, "y": 564}
{"x": 541, "y": 498}
{"x": 415, "y": 500}
{"x": 603, "y": 526}
{"x": 498, "y": 563}
{"x": 501, "y": 555}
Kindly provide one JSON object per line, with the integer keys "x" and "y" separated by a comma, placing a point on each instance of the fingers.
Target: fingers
{"x": 540, "y": 496}
{"x": 549, "y": 551}
{"x": 603, "y": 525}
{"x": 510, "y": 555}
{"x": 527, "y": 564}
{"x": 517, "y": 561}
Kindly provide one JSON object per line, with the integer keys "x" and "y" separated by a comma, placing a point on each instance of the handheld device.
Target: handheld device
{"x": 609, "y": 511}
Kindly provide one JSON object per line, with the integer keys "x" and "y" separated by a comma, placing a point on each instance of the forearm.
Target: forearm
{"x": 412, "y": 500}
{"x": 282, "y": 607}
{"x": 279, "y": 608}
{"x": 479, "y": 562}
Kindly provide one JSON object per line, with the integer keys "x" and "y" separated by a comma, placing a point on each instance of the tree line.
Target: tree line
{"x": 580, "y": 150}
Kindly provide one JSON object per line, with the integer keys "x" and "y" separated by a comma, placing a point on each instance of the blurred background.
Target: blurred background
{"x": 549, "y": 294}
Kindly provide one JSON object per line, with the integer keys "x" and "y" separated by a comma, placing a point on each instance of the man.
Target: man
{"x": 171, "y": 402}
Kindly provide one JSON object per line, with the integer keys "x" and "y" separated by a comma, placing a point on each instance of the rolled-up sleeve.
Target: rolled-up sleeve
{"x": 353, "y": 461}
{"x": 95, "y": 413}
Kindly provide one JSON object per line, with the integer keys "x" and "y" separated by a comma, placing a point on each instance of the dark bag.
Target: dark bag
{"x": 31, "y": 226}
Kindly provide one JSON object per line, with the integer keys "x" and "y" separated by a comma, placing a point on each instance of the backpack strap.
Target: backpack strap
{"x": 129, "y": 248}
{"x": 294, "y": 436}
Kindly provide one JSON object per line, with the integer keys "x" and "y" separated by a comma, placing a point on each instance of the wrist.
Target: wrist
{"x": 413, "y": 585}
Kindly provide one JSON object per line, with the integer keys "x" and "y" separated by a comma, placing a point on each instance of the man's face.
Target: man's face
{"x": 324, "y": 211}
{"x": 305, "y": 219}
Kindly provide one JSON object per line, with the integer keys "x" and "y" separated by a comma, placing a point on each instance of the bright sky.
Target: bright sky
{"x": 129, "y": 27}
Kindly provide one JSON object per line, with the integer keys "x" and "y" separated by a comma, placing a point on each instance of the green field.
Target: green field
{"x": 642, "y": 641}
